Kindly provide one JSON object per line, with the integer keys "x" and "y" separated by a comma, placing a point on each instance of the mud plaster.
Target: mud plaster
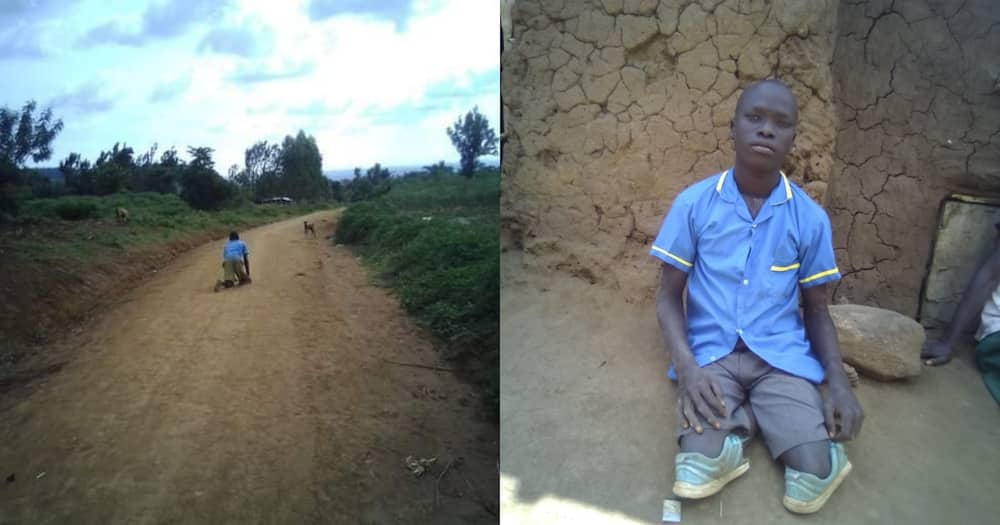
{"x": 613, "y": 107}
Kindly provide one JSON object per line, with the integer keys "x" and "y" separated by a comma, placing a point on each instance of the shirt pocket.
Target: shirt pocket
{"x": 783, "y": 272}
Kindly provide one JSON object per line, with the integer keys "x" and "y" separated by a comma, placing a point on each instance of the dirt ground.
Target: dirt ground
{"x": 272, "y": 403}
{"x": 587, "y": 422}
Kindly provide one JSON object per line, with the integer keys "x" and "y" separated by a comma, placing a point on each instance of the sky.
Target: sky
{"x": 371, "y": 80}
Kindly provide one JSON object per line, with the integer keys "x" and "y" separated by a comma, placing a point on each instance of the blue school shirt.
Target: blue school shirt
{"x": 744, "y": 273}
{"x": 234, "y": 251}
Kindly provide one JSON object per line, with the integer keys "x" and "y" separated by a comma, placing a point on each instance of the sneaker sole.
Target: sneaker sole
{"x": 809, "y": 507}
{"x": 686, "y": 490}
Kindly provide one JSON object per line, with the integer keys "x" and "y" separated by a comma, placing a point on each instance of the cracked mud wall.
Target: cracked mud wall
{"x": 917, "y": 94}
{"x": 614, "y": 106}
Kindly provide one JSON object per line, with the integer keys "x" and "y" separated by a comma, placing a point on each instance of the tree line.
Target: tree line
{"x": 292, "y": 168}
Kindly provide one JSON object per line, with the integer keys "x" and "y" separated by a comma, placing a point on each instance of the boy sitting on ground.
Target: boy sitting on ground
{"x": 747, "y": 242}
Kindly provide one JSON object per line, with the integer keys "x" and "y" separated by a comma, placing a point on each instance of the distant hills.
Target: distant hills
{"x": 396, "y": 171}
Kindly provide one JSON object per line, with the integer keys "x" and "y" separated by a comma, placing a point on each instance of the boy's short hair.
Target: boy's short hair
{"x": 233, "y": 236}
{"x": 775, "y": 81}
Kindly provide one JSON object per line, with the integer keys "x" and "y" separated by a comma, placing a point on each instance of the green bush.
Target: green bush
{"x": 435, "y": 241}
{"x": 459, "y": 303}
{"x": 359, "y": 222}
{"x": 76, "y": 210}
{"x": 206, "y": 190}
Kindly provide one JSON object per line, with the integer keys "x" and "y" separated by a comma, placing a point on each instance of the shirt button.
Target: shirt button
{"x": 754, "y": 225}
{"x": 711, "y": 358}
{"x": 745, "y": 282}
{"x": 739, "y": 331}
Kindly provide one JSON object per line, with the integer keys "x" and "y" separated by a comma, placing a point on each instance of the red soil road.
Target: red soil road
{"x": 271, "y": 403}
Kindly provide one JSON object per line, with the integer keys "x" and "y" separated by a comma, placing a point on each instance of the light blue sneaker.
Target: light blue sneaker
{"x": 699, "y": 476}
{"x": 806, "y": 493}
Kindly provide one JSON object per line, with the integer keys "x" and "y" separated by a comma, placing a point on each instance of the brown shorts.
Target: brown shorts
{"x": 787, "y": 409}
{"x": 233, "y": 271}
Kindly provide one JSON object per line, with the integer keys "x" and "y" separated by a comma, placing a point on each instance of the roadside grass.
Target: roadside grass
{"x": 79, "y": 228}
{"x": 435, "y": 242}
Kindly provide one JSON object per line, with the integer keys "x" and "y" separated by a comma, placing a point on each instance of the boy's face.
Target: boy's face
{"x": 763, "y": 128}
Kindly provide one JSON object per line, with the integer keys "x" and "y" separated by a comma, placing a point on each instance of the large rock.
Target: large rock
{"x": 882, "y": 344}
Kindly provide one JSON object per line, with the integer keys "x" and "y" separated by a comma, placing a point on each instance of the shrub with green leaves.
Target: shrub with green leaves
{"x": 76, "y": 210}
{"x": 360, "y": 221}
{"x": 435, "y": 241}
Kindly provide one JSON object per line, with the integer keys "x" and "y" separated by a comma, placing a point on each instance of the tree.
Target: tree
{"x": 77, "y": 174}
{"x": 33, "y": 136}
{"x": 374, "y": 182}
{"x": 337, "y": 189}
{"x": 148, "y": 158}
{"x": 440, "y": 169}
{"x": 472, "y": 137}
{"x": 260, "y": 161}
{"x": 241, "y": 180}
{"x": 163, "y": 177}
{"x": 119, "y": 169}
{"x": 360, "y": 187}
{"x": 41, "y": 186}
{"x": 201, "y": 158}
{"x": 377, "y": 173}
{"x": 10, "y": 177}
{"x": 113, "y": 169}
{"x": 170, "y": 159}
{"x": 302, "y": 168}
{"x": 145, "y": 164}
{"x": 109, "y": 178}
{"x": 22, "y": 136}
{"x": 201, "y": 186}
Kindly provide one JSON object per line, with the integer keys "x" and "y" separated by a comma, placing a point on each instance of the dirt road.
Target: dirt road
{"x": 586, "y": 423}
{"x": 270, "y": 403}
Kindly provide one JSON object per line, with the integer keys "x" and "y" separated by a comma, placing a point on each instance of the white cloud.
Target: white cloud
{"x": 170, "y": 90}
{"x": 367, "y": 79}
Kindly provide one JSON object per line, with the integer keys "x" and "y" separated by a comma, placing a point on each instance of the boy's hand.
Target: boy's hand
{"x": 699, "y": 395}
{"x": 936, "y": 352}
{"x": 842, "y": 412}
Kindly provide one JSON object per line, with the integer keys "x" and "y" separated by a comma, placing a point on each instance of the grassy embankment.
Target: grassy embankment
{"x": 79, "y": 228}
{"x": 434, "y": 240}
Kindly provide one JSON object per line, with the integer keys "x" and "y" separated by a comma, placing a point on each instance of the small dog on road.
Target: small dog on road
{"x": 308, "y": 227}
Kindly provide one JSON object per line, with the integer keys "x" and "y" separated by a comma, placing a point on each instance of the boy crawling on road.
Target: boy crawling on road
{"x": 747, "y": 242}
{"x": 235, "y": 263}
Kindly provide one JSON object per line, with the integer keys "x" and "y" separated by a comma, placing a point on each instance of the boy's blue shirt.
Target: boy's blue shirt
{"x": 744, "y": 273}
{"x": 234, "y": 251}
